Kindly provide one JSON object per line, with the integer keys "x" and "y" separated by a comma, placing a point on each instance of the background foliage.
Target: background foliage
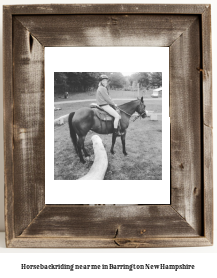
{"x": 74, "y": 82}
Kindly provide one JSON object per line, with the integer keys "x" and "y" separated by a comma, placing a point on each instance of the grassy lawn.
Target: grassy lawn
{"x": 143, "y": 144}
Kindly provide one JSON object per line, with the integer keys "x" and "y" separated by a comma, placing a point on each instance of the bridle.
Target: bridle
{"x": 139, "y": 116}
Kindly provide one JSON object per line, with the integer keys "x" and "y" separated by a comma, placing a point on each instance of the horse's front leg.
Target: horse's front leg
{"x": 123, "y": 143}
{"x": 86, "y": 154}
{"x": 114, "y": 136}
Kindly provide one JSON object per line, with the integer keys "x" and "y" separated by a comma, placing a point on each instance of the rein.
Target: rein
{"x": 124, "y": 112}
{"x": 139, "y": 116}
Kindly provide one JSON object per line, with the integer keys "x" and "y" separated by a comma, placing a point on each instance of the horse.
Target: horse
{"x": 84, "y": 120}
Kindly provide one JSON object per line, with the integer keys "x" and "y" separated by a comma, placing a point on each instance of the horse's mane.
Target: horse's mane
{"x": 128, "y": 102}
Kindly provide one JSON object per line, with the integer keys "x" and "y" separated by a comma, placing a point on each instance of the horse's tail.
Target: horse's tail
{"x": 72, "y": 131}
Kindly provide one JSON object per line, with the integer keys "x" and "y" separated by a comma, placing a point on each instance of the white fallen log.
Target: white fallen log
{"x": 60, "y": 120}
{"x": 100, "y": 164}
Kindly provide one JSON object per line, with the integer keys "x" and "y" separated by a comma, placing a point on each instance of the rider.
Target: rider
{"x": 104, "y": 101}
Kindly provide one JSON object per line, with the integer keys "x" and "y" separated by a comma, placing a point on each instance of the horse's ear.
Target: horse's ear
{"x": 141, "y": 99}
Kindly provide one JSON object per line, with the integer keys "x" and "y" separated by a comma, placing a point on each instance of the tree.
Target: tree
{"x": 85, "y": 81}
{"x": 144, "y": 78}
{"x": 156, "y": 79}
{"x": 117, "y": 80}
{"x": 60, "y": 82}
{"x": 60, "y": 78}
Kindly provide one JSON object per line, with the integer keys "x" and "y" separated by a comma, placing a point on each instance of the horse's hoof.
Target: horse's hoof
{"x": 125, "y": 153}
{"x": 112, "y": 152}
{"x": 83, "y": 161}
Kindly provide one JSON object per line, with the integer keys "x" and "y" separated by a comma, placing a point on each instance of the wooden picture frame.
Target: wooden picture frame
{"x": 186, "y": 30}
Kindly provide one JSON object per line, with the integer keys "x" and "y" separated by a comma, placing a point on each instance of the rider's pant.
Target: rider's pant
{"x": 113, "y": 113}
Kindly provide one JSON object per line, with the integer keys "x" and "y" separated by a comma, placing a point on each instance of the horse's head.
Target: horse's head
{"x": 141, "y": 108}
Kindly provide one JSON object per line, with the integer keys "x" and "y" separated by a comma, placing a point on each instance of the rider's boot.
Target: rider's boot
{"x": 117, "y": 131}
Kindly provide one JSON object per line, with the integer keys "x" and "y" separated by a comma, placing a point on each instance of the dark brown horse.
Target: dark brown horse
{"x": 84, "y": 119}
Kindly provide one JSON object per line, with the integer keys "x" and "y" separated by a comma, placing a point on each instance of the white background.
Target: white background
{"x": 143, "y": 59}
{"x": 203, "y": 257}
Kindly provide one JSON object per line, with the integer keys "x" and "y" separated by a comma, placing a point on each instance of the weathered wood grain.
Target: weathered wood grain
{"x": 107, "y": 30}
{"x": 8, "y": 125}
{"x": 106, "y": 9}
{"x": 109, "y": 222}
{"x": 208, "y": 183}
{"x": 207, "y": 123}
{"x": 186, "y": 133}
{"x": 163, "y": 242}
{"x": 207, "y": 66}
{"x": 29, "y": 131}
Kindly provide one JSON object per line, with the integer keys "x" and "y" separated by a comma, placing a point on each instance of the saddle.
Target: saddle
{"x": 100, "y": 113}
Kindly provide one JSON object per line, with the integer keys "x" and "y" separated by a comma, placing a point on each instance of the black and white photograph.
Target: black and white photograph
{"x": 124, "y": 109}
{"x": 110, "y": 124}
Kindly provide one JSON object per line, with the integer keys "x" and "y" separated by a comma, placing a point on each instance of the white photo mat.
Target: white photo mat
{"x": 106, "y": 59}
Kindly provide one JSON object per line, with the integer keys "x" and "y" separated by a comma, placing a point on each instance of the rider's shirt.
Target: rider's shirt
{"x": 102, "y": 96}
